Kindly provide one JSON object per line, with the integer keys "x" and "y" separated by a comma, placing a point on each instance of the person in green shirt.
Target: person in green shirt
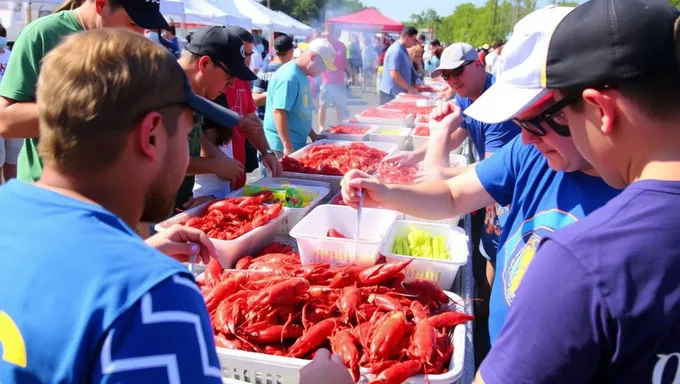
{"x": 18, "y": 108}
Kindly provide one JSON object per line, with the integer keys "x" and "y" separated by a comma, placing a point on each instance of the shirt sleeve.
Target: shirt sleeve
{"x": 497, "y": 135}
{"x": 23, "y": 67}
{"x": 554, "y": 330}
{"x": 391, "y": 61}
{"x": 166, "y": 337}
{"x": 260, "y": 86}
{"x": 498, "y": 173}
{"x": 284, "y": 93}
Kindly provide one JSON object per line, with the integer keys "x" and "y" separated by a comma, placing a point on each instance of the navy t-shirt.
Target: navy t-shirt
{"x": 541, "y": 201}
{"x": 600, "y": 302}
{"x": 262, "y": 83}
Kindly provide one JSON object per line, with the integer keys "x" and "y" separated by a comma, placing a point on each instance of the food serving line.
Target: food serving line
{"x": 304, "y": 212}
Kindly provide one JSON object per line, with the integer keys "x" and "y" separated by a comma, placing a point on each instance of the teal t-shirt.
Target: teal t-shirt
{"x": 289, "y": 89}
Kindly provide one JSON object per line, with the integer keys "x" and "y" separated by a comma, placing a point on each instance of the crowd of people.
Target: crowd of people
{"x": 575, "y": 190}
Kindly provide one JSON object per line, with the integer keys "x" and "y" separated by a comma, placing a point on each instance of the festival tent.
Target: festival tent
{"x": 302, "y": 28}
{"x": 367, "y": 19}
{"x": 263, "y": 17}
{"x": 215, "y": 12}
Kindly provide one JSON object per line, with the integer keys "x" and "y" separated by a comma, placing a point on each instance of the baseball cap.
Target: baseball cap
{"x": 602, "y": 42}
{"x": 325, "y": 50}
{"x": 145, "y": 13}
{"x": 454, "y": 56}
{"x": 222, "y": 45}
{"x": 284, "y": 43}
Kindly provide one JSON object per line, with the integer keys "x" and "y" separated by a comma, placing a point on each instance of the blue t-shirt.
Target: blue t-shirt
{"x": 541, "y": 201}
{"x": 264, "y": 76}
{"x": 289, "y": 89}
{"x": 396, "y": 58}
{"x": 601, "y": 301}
{"x": 86, "y": 300}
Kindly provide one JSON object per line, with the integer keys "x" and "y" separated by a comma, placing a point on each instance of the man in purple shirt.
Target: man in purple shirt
{"x": 600, "y": 302}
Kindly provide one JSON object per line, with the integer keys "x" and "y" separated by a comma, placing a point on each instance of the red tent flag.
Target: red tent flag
{"x": 369, "y": 18}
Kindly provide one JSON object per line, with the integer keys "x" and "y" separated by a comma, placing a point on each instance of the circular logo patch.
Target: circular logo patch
{"x": 243, "y": 52}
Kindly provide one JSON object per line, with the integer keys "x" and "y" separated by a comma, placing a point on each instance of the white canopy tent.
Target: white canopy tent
{"x": 301, "y": 28}
{"x": 264, "y": 18}
{"x": 205, "y": 12}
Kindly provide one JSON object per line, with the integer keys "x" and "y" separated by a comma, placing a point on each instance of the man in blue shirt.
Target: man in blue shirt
{"x": 540, "y": 175}
{"x": 601, "y": 302}
{"x": 288, "y": 117}
{"x": 284, "y": 46}
{"x": 397, "y": 68}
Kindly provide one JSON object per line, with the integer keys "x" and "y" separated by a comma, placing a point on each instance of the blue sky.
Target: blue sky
{"x": 401, "y": 10}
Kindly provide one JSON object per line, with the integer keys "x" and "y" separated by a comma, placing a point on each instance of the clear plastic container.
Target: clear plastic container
{"x": 389, "y": 134}
{"x": 349, "y": 137}
{"x": 404, "y": 122}
{"x": 316, "y": 247}
{"x": 442, "y": 272}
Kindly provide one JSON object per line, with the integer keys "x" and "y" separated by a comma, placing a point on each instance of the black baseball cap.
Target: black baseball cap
{"x": 220, "y": 44}
{"x": 608, "y": 42}
{"x": 145, "y": 13}
{"x": 284, "y": 43}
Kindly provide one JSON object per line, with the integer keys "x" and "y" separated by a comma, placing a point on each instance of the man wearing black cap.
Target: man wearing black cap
{"x": 601, "y": 300}
{"x": 18, "y": 110}
{"x": 284, "y": 46}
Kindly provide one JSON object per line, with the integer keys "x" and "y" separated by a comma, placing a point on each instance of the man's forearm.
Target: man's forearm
{"x": 260, "y": 99}
{"x": 281, "y": 121}
{"x": 396, "y": 76}
{"x": 200, "y": 165}
{"x": 19, "y": 120}
{"x": 455, "y": 171}
{"x": 440, "y": 146}
{"x": 208, "y": 149}
{"x": 434, "y": 199}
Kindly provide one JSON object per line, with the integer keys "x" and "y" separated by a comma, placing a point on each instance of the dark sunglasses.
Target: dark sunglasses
{"x": 455, "y": 72}
{"x": 553, "y": 117}
{"x": 221, "y": 66}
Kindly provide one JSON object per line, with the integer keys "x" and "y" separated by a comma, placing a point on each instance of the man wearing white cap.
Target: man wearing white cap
{"x": 541, "y": 175}
{"x": 288, "y": 117}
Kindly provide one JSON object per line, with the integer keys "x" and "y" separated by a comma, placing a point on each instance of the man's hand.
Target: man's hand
{"x": 446, "y": 94}
{"x": 325, "y": 368}
{"x": 181, "y": 243}
{"x": 374, "y": 191}
{"x": 196, "y": 201}
{"x": 250, "y": 123}
{"x": 402, "y": 159}
{"x": 272, "y": 164}
{"x": 445, "y": 118}
{"x": 228, "y": 169}
{"x": 287, "y": 149}
{"x": 412, "y": 90}
{"x": 316, "y": 136}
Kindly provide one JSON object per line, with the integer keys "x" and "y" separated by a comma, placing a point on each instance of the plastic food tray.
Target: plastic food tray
{"x": 229, "y": 251}
{"x": 424, "y": 95}
{"x": 419, "y": 141}
{"x": 406, "y": 122}
{"x": 315, "y": 247}
{"x": 399, "y": 139}
{"x": 333, "y": 180}
{"x": 254, "y": 367}
{"x": 294, "y": 214}
{"x": 442, "y": 272}
{"x": 347, "y": 137}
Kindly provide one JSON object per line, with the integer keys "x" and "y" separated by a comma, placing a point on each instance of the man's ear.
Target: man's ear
{"x": 148, "y": 129}
{"x": 605, "y": 107}
{"x": 203, "y": 62}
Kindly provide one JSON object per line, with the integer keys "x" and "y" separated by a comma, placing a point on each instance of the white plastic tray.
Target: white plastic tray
{"x": 315, "y": 247}
{"x": 334, "y": 181}
{"x": 407, "y": 122}
{"x": 261, "y": 368}
{"x": 229, "y": 251}
{"x": 347, "y": 137}
{"x": 294, "y": 214}
{"x": 442, "y": 272}
{"x": 399, "y": 139}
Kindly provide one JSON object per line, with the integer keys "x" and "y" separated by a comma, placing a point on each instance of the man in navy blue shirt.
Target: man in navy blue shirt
{"x": 284, "y": 46}
{"x": 601, "y": 300}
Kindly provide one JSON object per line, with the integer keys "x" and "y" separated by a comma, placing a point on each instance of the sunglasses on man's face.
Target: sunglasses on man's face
{"x": 554, "y": 117}
{"x": 221, "y": 66}
{"x": 455, "y": 72}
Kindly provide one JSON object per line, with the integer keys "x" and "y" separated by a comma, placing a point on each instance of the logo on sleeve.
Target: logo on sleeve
{"x": 660, "y": 368}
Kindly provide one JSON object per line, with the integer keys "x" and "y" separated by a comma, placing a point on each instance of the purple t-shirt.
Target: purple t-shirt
{"x": 600, "y": 302}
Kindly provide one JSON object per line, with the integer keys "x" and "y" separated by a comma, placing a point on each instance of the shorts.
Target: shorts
{"x": 356, "y": 65}
{"x": 9, "y": 150}
{"x": 335, "y": 94}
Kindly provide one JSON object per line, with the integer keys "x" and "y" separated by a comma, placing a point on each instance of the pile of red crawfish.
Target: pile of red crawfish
{"x": 384, "y": 113}
{"x": 422, "y": 131}
{"x": 409, "y": 107}
{"x": 231, "y": 218}
{"x": 371, "y": 317}
{"x": 348, "y": 130}
{"x": 389, "y": 173}
{"x": 335, "y": 160}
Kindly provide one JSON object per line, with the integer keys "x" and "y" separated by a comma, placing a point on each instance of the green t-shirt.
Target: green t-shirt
{"x": 186, "y": 189}
{"x": 21, "y": 75}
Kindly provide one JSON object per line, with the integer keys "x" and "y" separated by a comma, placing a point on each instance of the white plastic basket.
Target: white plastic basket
{"x": 442, "y": 272}
{"x": 315, "y": 246}
{"x": 334, "y": 181}
{"x": 379, "y": 134}
{"x": 229, "y": 251}
{"x": 294, "y": 214}
{"x": 254, "y": 367}
{"x": 419, "y": 141}
{"x": 347, "y": 137}
{"x": 405, "y": 122}
{"x": 451, "y": 222}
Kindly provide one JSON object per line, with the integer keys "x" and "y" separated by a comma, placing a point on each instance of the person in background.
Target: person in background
{"x": 257, "y": 60}
{"x": 432, "y": 62}
{"x": 369, "y": 62}
{"x": 608, "y": 313}
{"x": 333, "y": 89}
{"x": 416, "y": 55}
{"x": 170, "y": 35}
{"x": 240, "y": 99}
{"x": 288, "y": 117}
{"x": 18, "y": 110}
{"x": 398, "y": 71}
{"x": 9, "y": 148}
{"x": 284, "y": 46}
{"x": 355, "y": 59}
{"x": 493, "y": 60}
{"x": 482, "y": 52}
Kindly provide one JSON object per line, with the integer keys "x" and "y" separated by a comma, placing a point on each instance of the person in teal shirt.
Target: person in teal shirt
{"x": 288, "y": 115}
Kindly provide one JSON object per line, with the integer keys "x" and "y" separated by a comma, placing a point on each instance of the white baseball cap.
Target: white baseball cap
{"x": 522, "y": 82}
{"x": 325, "y": 50}
{"x": 454, "y": 56}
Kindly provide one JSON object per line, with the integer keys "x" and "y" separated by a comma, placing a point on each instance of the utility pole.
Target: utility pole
{"x": 269, "y": 4}
{"x": 493, "y": 23}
